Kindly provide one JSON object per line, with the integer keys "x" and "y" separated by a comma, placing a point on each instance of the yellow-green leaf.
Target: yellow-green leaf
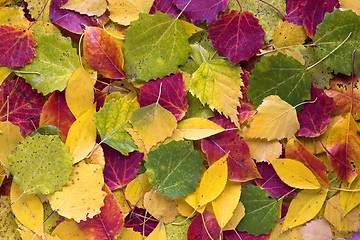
{"x": 275, "y": 119}
{"x": 217, "y": 83}
{"x": 213, "y": 181}
{"x": 350, "y": 199}
{"x": 238, "y": 214}
{"x": 79, "y": 92}
{"x": 125, "y": 11}
{"x": 9, "y": 138}
{"x": 153, "y": 124}
{"x": 83, "y": 197}
{"x": 28, "y": 209}
{"x": 225, "y": 204}
{"x": 81, "y": 136}
{"x": 295, "y": 173}
{"x": 198, "y": 128}
{"x": 4, "y": 73}
{"x": 88, "y": 7}
{"x": 288, "y": 34}
{"x": 304, "y": 207}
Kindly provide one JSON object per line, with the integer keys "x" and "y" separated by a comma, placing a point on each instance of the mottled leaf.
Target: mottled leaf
{"x": 41, "y": 164}
{"x": 164, "y": 46}
{"x": 202, "y": 226}
{"x": 17, "y": 46}
{"x": 169, "y": 92}
{"x": 88, "y": 7}
{"x": 8, "y": 226}
{"x": 174, "y": 168}
{"x": 237, "y": 36}
{"x": 177, "y": 232}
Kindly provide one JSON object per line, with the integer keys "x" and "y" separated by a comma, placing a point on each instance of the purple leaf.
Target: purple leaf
{"x": 135, "y": 220}
{"x": 165, "y": 6}
{"x": 293, "y": 11}
{"x": 236, "y": 235}
{"x": 200, "y": 10}
{"x": 119, "y": 169}
{"x": 202, "y": 226}
{"x": 237, "y": 36}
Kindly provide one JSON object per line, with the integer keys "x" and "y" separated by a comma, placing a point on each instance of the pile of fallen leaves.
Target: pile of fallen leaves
{"x": 179, "y": 119}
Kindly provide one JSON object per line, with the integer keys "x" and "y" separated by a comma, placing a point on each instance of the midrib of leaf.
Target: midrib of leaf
{"x": 263, "y": 207}
{"x": 59, "y": 50}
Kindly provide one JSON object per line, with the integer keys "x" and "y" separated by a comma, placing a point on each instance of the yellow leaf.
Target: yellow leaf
{"x": 278, "y": 234}
{"x": 43, "y": 23}
{"x": 68, "y": 230}
{"x": 193, "y": 202}
{"x": 4, "y": 73}
{"x": 288, "y": 34}
{"x": 28, "y": 209}
{"x": 295, "y": 173}
{"x": 153, "y": 124}
{"x": 190, "y": 28}
{"x": 262, "y": 150}
{"x": 158, "y": 233}
{"x": 13, "y": 15}
{"x": 354, "y": 5}
{"x": 129, "y": 233}
{"x": 318, "y": 229}
{"x": 350, "y": 199}
{"x": 161, "y": 207}
{"x": 136, "y": 189}
{"x": 238, "y": 214}
{"x": 83, "y": 198}
{"x": 213, "y": 181}
{"x": 349, "y": 223}
{"x": 225, "y": 204}
{"x": 198, "y": 128}
{"x": 125, "y": 11}
{"x": 81, "y": 136}
{"x": 79, "y": 92}
{"x": 10, "y": 137}
{"x": 184, "y": 208}
{"x": 88, "y": 7}
{"x": 2, "y": 175}
{"x": 97, "y": 156}
{"x": 275, "y": 119}
{"x": 120, "y": 197}
{"x": 30, "y": 236}
{"x": 304, "y": 207}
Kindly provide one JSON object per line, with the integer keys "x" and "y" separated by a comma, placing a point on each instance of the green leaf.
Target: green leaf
{"x": 8, "y": 227}
{"x": 178, "y": 231}
{"x": 155, "y": 45}
{"x": 268, "y": 17}
{"x": 217, "y": 82}
{"x": 112, "y": 119}
{"x": 41, "y": 164}
{"x": 174, "y": 169}
{"x": 55, "y": 60}
{"x": 279, "y": 75}
{"x": 197, "y": 109}
{"x": 51, "y": 218}
{"x": 261, "y": 211}
{"x": 333, "y": 30}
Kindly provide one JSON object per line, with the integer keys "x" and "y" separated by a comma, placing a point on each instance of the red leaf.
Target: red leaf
{"x": 246, "y": 109}
{"x": 236, "y": 235}
{"x": 70, "y": 20}
{"x": 25, "y": 105}
{"x": 165, "y": 6}
{"x": 119, "y": 169}
{"x": 106, "y": 225}
{"x": 315, "y": 117}
{"x": 271, "y": 182}
{"x": 17, "y": 46}
{"x": 241, "y": 167}
{"x": 313, "y": 13}
{"x": 293, "y": 11}
{"x": 295, "y": 150}
{"x": 102, "y": 53}
{"x": 135, "y": 220}
{"x": 237, "y": 36}
{"x": 172, "y": 98}
{"x": 203, "y": 225}
{"x": 56, "y": 113}
{"x": 200, "y": 10}
{"x": 342, "y": 91}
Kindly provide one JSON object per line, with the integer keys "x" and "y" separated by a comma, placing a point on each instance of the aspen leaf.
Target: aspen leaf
{"x": 332, "y": 214}
{"x": 119, "y": 194}
{"x": 9, "y": 138}
{"x": 193, "y": 202}
{"x": 198, "y": 128}
{"x": 304, "y": 207}
{"x": 4, "y": 73}
{"x": 354, "y": 5}
{"x": 8, "y": 226}
{"x": 275, "y": 119}
{"x": 238, "y": 214}
{"x": 350, "y": 199}
{"x": 184, "y": 208}
{"x": 217, "y": 83}
{"x": 81, "y": 136}
{"x": 129, "y": 233}
{"x": 178, "y": 232}
{"x": 28, "y": 209}
{"x": 262, "y": 150}
{"x": 88, "y": 7}
{"x": 295, "y": 173}
{"x": 161, "y": 207}
{"x": 288, "y": 34}
{"x": 158, "y": 233}
{"x": 278, "y": 234}
{"x": 153, "y": 124}
{"x": 136, "y": 189}
{"x": 83, "y": 197}
{"x": 318, "y": 229}
{"x": 68, "y": 230}
{"x": 79, "y": 92}
{"x": 213, "y": 181}
{"x": 12, "y": 15}
{"x": 31, "y": 236}
{"x": 125, "y": 11}
{"x": 225, "y": 204}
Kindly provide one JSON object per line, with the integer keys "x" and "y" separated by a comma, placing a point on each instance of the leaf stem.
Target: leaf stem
{"x": 239, "y": 5}
{"x": 281, "y": 15}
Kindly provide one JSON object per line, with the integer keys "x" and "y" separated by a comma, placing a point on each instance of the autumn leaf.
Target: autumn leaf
{"x": 8, "y": 227}
{"x": 165, "y": 6}
{"x": 204, "y": 227}
{"x": 198, "y": 128}
{"x": 10, "y": 137}
{"x": 88, "y": 7}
